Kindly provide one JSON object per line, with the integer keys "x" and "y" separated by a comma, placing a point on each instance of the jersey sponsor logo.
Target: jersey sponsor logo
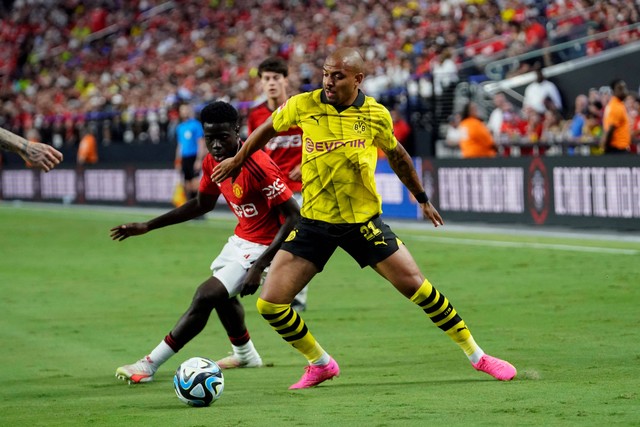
{"x": 237, "y": 190}
{"x": 284, "y": 141}
{"x": 244, "y": 211}
{"x": 310, "y": 146}
{"x": 275, "y": 189}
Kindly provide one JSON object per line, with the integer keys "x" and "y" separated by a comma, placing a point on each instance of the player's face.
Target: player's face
{"x": 274, "y": 85}
{"x": 340, "y": 83}
{"x": 221, "y": 140}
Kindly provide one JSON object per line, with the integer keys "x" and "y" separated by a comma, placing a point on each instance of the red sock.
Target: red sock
{"x": 240, "y": 340}
{"x": 171, "y": 342}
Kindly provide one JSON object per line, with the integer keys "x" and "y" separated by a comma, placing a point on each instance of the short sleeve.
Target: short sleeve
{"x": 385, "y": 139}
{"x": 273, "y": 184}
{"x": 285, "y": 116}
{"x": 207, "y": 186}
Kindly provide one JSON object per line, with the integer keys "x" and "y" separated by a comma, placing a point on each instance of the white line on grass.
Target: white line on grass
{"x": 226, "y": 219}
{"x": 532, "y": 245}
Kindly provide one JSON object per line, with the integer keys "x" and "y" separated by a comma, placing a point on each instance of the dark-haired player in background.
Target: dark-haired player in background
{"x": 342, "y": 130}
{"x": 286, "y": 147}
{"x": 266, "y": 214}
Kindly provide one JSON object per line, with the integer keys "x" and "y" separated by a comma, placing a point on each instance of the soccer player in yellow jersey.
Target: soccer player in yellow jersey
{"x": 342, "y": 129}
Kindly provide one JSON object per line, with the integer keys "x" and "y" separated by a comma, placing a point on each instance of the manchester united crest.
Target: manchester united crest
{"x": 237, "y": 190}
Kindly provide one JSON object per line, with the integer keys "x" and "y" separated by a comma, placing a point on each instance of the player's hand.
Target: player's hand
{"x": 430, "y": 212}
{"x": 251, "y": 281}
{"x": 123, "y": 231}
{"x": 224, "y": 170}
{"x": 295, "y": 174}
{"x": 42, "y": 156}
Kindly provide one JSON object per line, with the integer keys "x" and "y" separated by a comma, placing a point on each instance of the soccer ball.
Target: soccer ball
{"x": 198, "y": 382}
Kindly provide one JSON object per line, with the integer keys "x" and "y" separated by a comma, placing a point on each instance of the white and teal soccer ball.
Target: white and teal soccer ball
{"x": 198, "y": 382}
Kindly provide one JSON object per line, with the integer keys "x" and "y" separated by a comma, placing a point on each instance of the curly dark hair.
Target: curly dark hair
{"x": 274, "y": 64}
{"x": 219, "y": 112}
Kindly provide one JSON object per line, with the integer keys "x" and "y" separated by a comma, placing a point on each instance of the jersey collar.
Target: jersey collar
{"x": 359, "y": 101}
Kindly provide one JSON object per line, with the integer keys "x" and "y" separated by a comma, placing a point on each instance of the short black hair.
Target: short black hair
{"x": 615, "y": 83}
{"x": 219, "y": 112}
{"x": 274, "y": 64}
{"x": 466, "y": 110}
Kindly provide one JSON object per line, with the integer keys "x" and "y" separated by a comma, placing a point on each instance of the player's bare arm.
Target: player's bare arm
{"x": 402, "y": 165}
{"x": 291, "y": 212}
{"x": 193, "y": 208}
{"x": 41, "y": 156}
{"x": 255, "y": 141}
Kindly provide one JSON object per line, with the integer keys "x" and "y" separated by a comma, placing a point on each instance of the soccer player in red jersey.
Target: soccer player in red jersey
{"x": 266, "y": 212}
{"x": 286, "y": 147}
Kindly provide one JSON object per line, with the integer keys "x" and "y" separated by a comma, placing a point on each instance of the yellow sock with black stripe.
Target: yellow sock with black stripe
{"x": 288, "y": 323}
{"x": 445, "y": 317}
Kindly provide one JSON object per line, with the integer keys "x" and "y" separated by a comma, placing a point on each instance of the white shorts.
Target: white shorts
{"x": 234, "y": 260}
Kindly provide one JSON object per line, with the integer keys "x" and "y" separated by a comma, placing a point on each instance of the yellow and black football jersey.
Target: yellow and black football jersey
{"x": 339, "y": 154}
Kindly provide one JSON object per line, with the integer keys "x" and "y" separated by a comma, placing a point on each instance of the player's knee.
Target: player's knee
{"x": 209, "y": 295}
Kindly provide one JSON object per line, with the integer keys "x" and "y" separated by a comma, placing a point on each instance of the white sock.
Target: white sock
{"x": 245, "y": 350}
{"x": 160, "y": 354}
{"x": 476, "y": 356}
{"x": 324, "y": 359}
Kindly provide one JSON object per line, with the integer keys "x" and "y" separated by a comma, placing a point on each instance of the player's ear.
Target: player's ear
{"x": 359, "y": 77}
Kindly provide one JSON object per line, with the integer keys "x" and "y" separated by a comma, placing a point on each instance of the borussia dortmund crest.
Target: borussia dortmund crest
{"x": 359, "y": 127}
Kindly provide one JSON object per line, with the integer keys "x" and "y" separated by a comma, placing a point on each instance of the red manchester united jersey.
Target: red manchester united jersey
{"x": 251, "y": 196}
{"x": 285, "y": 148}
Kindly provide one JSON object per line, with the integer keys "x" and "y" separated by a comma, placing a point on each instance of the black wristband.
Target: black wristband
{"x": 421, "y": 197}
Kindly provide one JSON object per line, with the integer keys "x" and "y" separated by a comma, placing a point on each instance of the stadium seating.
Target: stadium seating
{"x": 121, "y": 68}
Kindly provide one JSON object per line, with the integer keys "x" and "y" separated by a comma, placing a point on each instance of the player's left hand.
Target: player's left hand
{"x": 123, "y": 231}
{"x": 224, "y": 170}
{"x": 430, "y": 212}
{"x": 42, "y": 156}
{"x": 251, "y": 281}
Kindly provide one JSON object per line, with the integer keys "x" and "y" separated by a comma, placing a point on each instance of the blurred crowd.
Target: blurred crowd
{"x": 543, "y": 122}
{"x": 120, "y": 69}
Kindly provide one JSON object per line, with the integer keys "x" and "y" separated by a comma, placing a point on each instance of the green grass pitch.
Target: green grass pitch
{"x": 75, "y": 305}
